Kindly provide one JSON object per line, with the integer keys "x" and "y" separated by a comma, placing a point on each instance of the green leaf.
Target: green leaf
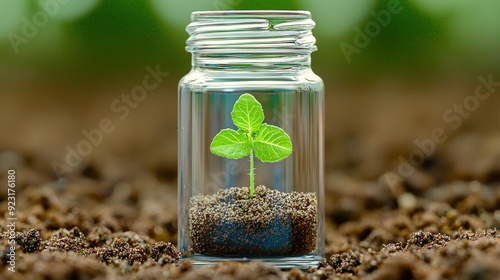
{"x": 247, "y": 113}
{"x": 231, "y": 144}
{"x": 272, "y": 144}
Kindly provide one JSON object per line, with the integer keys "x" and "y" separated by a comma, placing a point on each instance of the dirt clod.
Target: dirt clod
{"x": 164, "y": 252}
{"x": 29, "y": 241}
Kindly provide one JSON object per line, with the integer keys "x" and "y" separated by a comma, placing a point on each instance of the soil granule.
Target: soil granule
{"x": 272, "y": 223}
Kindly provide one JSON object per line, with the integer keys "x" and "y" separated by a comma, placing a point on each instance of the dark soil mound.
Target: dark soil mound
{"x": 272, "y": 223}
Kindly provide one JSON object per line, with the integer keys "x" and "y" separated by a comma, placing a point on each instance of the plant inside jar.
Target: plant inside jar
{"x": 255, "y": 221}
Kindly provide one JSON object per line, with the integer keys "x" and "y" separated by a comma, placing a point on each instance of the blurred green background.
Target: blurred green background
{"x": 98, "y": 39}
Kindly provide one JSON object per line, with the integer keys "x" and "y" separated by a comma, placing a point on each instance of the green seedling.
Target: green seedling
{"x": 269, "y": 143}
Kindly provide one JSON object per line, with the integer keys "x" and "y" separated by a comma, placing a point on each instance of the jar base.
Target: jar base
{"x": 282, "y": 262}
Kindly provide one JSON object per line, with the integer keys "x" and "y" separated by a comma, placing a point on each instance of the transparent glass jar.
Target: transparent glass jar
{"x": 265, "y": 54}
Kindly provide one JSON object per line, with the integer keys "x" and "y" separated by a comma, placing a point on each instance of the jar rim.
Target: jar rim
{"x": 300, "y": 14}
{"x": 251, "y": 36}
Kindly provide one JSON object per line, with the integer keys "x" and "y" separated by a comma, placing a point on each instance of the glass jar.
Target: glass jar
{"x": 267, "y": 55}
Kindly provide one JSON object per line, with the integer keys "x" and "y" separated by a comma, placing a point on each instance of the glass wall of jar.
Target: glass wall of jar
{"x": 265, "y": 54}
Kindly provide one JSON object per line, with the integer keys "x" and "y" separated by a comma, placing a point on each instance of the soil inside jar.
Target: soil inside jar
{"x": 272, "y": 223}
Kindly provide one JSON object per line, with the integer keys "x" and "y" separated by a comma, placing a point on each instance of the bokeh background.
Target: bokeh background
{"x": 64, "y": 63}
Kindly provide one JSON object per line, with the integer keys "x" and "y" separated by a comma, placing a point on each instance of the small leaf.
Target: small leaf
{"x": 272, "y": 144}
{"x": 247, "y": 113}
{"x": 231, "y": 144}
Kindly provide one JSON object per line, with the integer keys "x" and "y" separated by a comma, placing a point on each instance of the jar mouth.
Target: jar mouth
{"x": 251, "y": 31}
{"x": 296, "y": 14}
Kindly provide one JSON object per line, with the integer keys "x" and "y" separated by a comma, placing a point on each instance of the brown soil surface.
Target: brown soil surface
{"x": 114, "y": 215}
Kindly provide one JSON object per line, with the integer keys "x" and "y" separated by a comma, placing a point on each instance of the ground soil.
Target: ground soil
{"x": 115, "y": 215}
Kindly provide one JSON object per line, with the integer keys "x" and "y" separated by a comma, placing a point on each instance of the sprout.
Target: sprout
{"x": 269, "y": 143}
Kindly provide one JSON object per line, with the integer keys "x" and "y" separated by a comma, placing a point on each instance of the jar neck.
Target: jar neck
{"x": 252, "y": 62}
{"x": 251, "y": 40}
